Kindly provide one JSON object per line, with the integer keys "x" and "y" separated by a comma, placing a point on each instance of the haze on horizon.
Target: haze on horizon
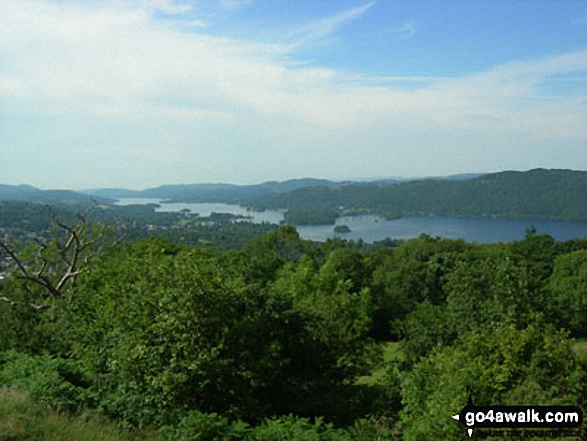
{"x": 140, "y": 93}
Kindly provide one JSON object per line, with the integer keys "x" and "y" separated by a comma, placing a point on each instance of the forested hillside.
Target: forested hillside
{"x": 284, "y": 338}
{"x": 226, "y": 193}
{"x": 32, "y": 194}
{"x": 535, "y": 194}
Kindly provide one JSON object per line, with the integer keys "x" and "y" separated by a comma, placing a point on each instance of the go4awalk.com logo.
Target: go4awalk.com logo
{"x": 518, "y": 417}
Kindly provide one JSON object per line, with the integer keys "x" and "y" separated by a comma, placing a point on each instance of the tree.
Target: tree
{"x": 423, "y": 329}
{"x": 331, "y": 348}
{"x": 47, "y": 269}
{"x": 487, "y": 287}
{"x": 413, "y": 273}
{"x": 504, "y": 365}
{"x": 535, "y": 254}
{"x": 566, "y": 300}
{"x": 165, "y": 329}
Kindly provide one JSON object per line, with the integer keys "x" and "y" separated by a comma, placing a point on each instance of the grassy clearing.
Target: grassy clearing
{"x": 391, "y": 352}
{"x": 21, "y": 418}
{"x": 580, "y": 348}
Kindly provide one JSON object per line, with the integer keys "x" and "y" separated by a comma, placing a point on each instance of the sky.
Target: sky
{"x": 141, "y": 93}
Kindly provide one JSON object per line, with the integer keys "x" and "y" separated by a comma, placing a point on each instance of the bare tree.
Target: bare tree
{"x": 53, "y": 266}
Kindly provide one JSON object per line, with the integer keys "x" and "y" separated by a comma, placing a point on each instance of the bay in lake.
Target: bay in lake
{"x": 204, "y": 209}
{"x": 372, "y": 228}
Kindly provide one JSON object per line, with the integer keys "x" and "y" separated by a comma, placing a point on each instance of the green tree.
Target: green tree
{"x": 265, "y": 255}
{"x": 168, "y": 329}
{"x": 504, "y": 365}
{"x": 486, "y": 287}
{"x": 415, "y": 272}
{"x": 566, "y": 293}
{"x": 336, "y": 344}
{"x": 426, "y": 327}
{"x": 165, "y": 329}
{"x": 535, "y": 254}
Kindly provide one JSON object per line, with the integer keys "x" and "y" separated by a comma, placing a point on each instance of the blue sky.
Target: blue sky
{"x": 140, "y": 93}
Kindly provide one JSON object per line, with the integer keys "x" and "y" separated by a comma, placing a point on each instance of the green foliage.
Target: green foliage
{"x": 535, "y": 255}
{"x": 211, "y": 427}
{"x": 20, "y": 327}
{"x": 373, "y": 429}
{"x": 207, "y": 345}
{"x": 483, "y": 287}
{"x": 334, "y": 336}
{"x": 60, "y": 383}
{"x": 167, "y": 329}
{"x": 198, "y": 426}
{"x": 487, "y": 288}
{"x": 423, "y": 329}
{"x": 350, "y": 264}
{"x": 336, "y": 316}
{"x": 504, "y": 365}
{"x": 295, "y": 428}
{"x": 24, "y": 217}
{"x": 265, "y": 255}
{"x": 415, "y": 272}
{"x": 566, "y": 292}
{"x": 22, "y": 418}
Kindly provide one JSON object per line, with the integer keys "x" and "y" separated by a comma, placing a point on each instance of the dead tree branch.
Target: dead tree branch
{"x": 57, "y": 263}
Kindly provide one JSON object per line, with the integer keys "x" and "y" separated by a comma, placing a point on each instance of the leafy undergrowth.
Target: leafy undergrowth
{"x": 24, "y": 419}
{"x": 21, "y": 418}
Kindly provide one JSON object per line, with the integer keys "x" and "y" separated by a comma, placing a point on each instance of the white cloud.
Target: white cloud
{"x": 197, "y": 23}
{"x": 114, "y": 78}
{"x": 115, "y": 58}
{"x": 233, "y": 5}
{"x": 171, "y": 7}
{"x": 509, "y": 94}
{"x": 407, "y": 30}
{"x": 10, "y": 86}
{"x": 321, "y": 28}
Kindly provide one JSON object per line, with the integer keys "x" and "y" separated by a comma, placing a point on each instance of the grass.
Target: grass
{"x": 391, "y": 352}
{"x": 23, "y": 419}
{"x": 580, "y": 348}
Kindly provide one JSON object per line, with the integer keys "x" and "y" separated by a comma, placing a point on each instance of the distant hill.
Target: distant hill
{"x": 464, "y": 176}
{"x": 113, "y": 193}
{"x": 227, "y": 193}
{"x": 231, "y": 193}
{"x": 535, "y": 194}
{"x": 27, "y": 193}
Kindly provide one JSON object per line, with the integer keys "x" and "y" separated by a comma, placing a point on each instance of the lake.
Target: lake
{"x": 371, "y": 228}
{"x": 205, "y": 208}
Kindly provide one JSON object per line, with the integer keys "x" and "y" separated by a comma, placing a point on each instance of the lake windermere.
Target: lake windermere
{"x": 371, "y": 228}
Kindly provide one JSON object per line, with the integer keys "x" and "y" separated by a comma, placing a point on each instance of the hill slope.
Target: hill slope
{"x": 535, "y": 194}
{"x": 227, "y": 193}
{"x": 27, "y": 193}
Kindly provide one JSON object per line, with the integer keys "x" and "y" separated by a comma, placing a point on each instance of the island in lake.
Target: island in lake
{"x": 342, "y": 229}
